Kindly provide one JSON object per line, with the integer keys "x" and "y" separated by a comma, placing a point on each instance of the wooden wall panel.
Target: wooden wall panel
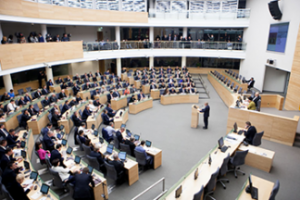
{"x": 18, "y": 55}
{"x": 23, "y": 8}
{"x": 203, "y": 70}
{"x": 292, "y": 101}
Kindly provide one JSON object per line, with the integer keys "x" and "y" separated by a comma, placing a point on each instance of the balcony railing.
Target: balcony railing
{"x": 128, "y": 45}
{"x": 200, "y": 14}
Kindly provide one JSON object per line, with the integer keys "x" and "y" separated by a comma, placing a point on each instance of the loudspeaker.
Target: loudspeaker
{"x": 274, "y": 10}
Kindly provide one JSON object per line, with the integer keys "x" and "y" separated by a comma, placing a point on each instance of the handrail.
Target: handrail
{"x": 150, "y": 187}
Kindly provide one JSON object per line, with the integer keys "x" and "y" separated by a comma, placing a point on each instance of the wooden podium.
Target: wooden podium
{"x": 195, "y": 116}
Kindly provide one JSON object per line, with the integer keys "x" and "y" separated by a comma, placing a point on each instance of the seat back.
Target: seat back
{"x": 36, "y": 107}
{"x": 47, "y": 160}
{"x": 32, "y": 95}
{"x": 126, "y": 148}
{"x": 19, "y": 117}
{"x": 111, "y": 171}
{"x": 79, "y": 142}
{"x": 80, "y": 113}
{"x": 28, "y": 89}
{"x": 258, "y": 105}
{"x": 116, "y": 142}
{"x": 105, "y": 134}
{"x": 60, "y": 107}
{"x": 86, "y": 149}
{"x": 224, "y": 167}
{"x": 274, "y": 190}
{"x": 240, "y": 90}
{"x": 57, "y": 182}
{"x": 75, "y": 134}
{"x": 4, "y": 194}
{"x": 20, "y": 91}
{"x": 140, "y": 158}
{"x": 198, "y": 195}
{"x": 239, "y": 158}
{"x": 93, "y": 162}
{"x": 257, "y": 139}
{"x": 213, "y": 181}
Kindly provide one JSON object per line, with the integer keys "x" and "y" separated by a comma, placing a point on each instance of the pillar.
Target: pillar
{"x": 49, "y": 73}
{"x": 151, "y": 34}
{"x": 119, "y": 67}
{"x": 184, "y": 34}
{"x": 117, "y": 32}
{"x": 7, "y": 82}
{"x": 183, "y": 61}
{"x": 1, "y": 33}
{"x": 151, "y": 62}
{"x": 44, "y": 31}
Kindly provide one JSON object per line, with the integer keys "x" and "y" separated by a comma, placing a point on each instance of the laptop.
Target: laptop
{"x": 61, "y": 127}
{"x": 60, "y": 135}
{"x": 23, "y": 154}
{"x": 26, "y": 165}
{"x": 25, "y": 135}
{"x": 148, "y": 143}
{"x": 33, "y": 175}
{"x": 69, "y": 150}
{"x": 45, "y": 189}
{"x": 241, "y": 132}
{"x": 123, "y": 126}
{"x": 178, "y": 192}
{"x": 122, "y": 156}
{"x": 101, "y": 140}
{"x": 77, "y": 160}
{"x": 93, "y": 126}
{"x": 64, "y": 142}
{"x": 136, "y": 137}
{"x": 128, "y": 133}
{"x": 221, "y": 145}
{"x": 96, "y": 133}
{"x": 23, "y": 144}
{"x": 109, "y": 149}
{"x": 90, "y": 169}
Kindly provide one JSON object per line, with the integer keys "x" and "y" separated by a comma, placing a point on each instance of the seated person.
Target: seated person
{"x": 46, "y": 101}
{"x": 55, "y": 154}
{"x": 62, "y": 94}
{"x": 126, "y": 84}
{"x": 119, "y": 135}
{"x": 131, "y": 144}
{"x": 38, "y": 94}
{"x": 250, "y": 83}
{"x": 132, "y": 99}
{"x": 76, "y": 89}
{"x": 162, "y": 86}
{"x": 48, "y": 141}
{"x": 63, "y": 86}
{"x": 32, "y": 111}
{"x": 92, "y": 106}
{"x": 45, "y": 90}
{"x": 9, "y": 176}
{"x": 116, "y": 94}
{"x": 76, "y": 119}
{"x": 11, "y": 107}
{"x": 65, "y": 107}
{"x": 181, "y": 90}
{"x": 5, "y": 97}
{"x": 96, "y": 154}
{"x": 25, "y": 117}
{"x": 110, "y": 111}
{"x": 110, "y": 96}
{"x": 55, "y": 119}
{"x": 178, "y": 75}
{"x": 73, "y": 102}
{"x": 256, "y": 98}
{"x": 11, "y": 93}
{"x": 97, "y": 103}
{"x": 126, "y": 91}
{"x": 81, "y": 136}
{"x": 170, "y": 85}
{"x": 251, "y": 105}
{"x": 41, "y": 152}
{"x": 141, "y": 96}
{"x": 249, "y": 132}
{"x": 86, "y": 113}
{"x": 7, "y": 158}
{"x": 117, "y": 163}
{"x": 18, "y": 191}
{"x": 161, "y": 80}
{"x": 12, "y": 139}
{"x": 153, "y": 86}
{"x": 64, "y": 173}
{"x": 119, "y": 86}
{"x": 141, "y": 149}
{"x": 106, "y": 120}
{"x": 78, "y": 99}
{"x": 181, "y": 85}
{"x": 22, "y": 102}
{"x": 190, "y": 90}
{"x": 146, "y": 81}
{"x": 27, "y": 98}
{"x": 172, "y": 91}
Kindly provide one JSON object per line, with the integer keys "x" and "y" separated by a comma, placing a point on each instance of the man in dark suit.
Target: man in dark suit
{"x": 46, "y": 101}
{"x": 65, "y": 107}
{"x": 9, "y": 176}
{"x": 110, "y": 111}
{"x": 131, "y": 144}
{"x": 162, "y": 85}
{"x": 76, "y": 119}
{"x": 182, "y": 90}
{"x": 3, "y": 132}
{"x": 86, "y": 113}
{"x": 27, "y": 98}
{"x": 82, "y": 189}
{"x": 3, "y": 147}
{"x": 12, "y": 139}
{"x": 45, "y": 90}
{"x": 76, "y": 89}
{"x": 141, "y": 96}
{"x": 172, "y": 91}
{"x": 53, "y": 98}
{"x": 62, "y": 94}
{"x": 25, "y": 117}
{"x": 178, "y": 75}
{"x": 106, "y": 120}
{"x": 119, "y": 135}
{"x": 37, "y": 94}
{"x": 55, "y": 154}
{"x": 32, "y": 111}
{"x": 49, "y": 83}
{"x": 48, "y": 141}
{"x": 7, "y": 158}
{"x": 205, "y": 112}
{"x": 153, "y": 86}
{"x": 190, "y": 90}
{"x": 256, "y": 98}
{"x": 86, "y": 86}
{"x": 110, "y": 96}
{"x": 96, "y": 154}
{"x": 161, "y": 76}
{"x": 170, "y": 85}
{"x": 116, "y": 93}
{"x": 55, "y": 118}
{"x": 97, "y": 103}
{"x": 250, "y": 83}
{"x": 141, "y": 149}
{"x": 117, "y": 163}
{"x": 250, "y": 132}
{"x": 22, "y": 102}
{"x": 169, "y": 70}
{"x": 46, "y": 129}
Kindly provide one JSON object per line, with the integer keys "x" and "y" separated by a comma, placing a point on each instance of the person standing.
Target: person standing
{"x": 205, "y": 112}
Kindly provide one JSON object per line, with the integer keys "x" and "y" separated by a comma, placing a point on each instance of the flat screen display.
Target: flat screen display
{"x": 277, "y": 37}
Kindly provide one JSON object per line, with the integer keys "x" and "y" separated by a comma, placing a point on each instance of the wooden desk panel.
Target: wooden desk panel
{"x": 37, "y": 125}
{"x": 179, "y": 98}
{"x": 124, "y": 77}
{"x": 55, "y": 88}
{"x": 146, "y": 89}
{"x": 137, "y": 84}
{"x": 119, "y": 103}
{"x": 130, "y": 80}
{"x": 118, "y": 121}
{"x": 195, "y": 117}
{"x": 137, "y": 107}
{"x": 155, "y": 94}
{"x": 236, "y": 82}
{"x": 85, "y": 94}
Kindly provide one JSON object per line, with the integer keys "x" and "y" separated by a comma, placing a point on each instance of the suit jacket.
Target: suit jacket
{"x": 9, "y": 178}
{"x": 27, "y": 99}
{"x": 131, "y": 145}
{"x": 250, "y": 83}
{"x": 256, "y": 99}
{"x": 55, "y": 119}
{"x": 119, "y": 166}
{"x": 24, "y": 120}
{"x": 250, "y": 133}
{"x": 22, "y": 102}
{"x": 76, "y": 120}
{"x": 96, "y": 103}
{"x": 46, "y": 102}
{"x": 141, "y": 96}
{"x": 32, "y": 111}
{"x": 2, "y": 152}
{"x": 49, "y": 143}
{"x": 205, "y": 111}
{"x": 162, "y": 86}
{"x": 76, "y": 90}
{"x": 119, "y": 136}
{"x": 110, "y": 110}
{"x": 73, "y": 103}
{"x": 56, "y": 155}
{"x": 98, "y": 156}
{"x": 53, "y": 99}
{"x": 65, "y": 108}
{"x": 37, "y": 95}
{"x": 171, "y": 85}
{"x": 116, "y": 94}
{"x": 49, "y": 84}
{"x": 181, "y": 90}
{"x": 17, "y": 192}
{"x": 5, "y": 160}
{"x": 153, "y": 87}
{"x": 86, "y": 113}
{"x": 45, "y": 91}
{"x": 105, "y": 119}
{"x": 62, "y": 95}
{"x": 4, "y": 133}
{"x": 172, "y": 92}
{"x": 82, "y": 189}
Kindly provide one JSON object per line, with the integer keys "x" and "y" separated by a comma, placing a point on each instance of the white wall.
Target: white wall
{"x": 274, "y": 80}
{"x": 83, "y": 67}
{"x": 256, "y": 37}
{"x": 84, "y": 33}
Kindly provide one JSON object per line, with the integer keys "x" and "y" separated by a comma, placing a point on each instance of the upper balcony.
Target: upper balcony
{"x": 164, "y": 13}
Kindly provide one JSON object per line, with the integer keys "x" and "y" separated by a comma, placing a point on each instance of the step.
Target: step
{"x": 297, "y": 138}
{"x": 297, "y": 144}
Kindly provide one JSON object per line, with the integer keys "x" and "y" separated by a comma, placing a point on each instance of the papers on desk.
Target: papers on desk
{"x": 17, "y": 152}
{"x": 231, "y": 141}
{"x": 36, "y": 195}
{"x": 69, "y": 162}
{"x": 72, "y": 168}
{"x": 239, "y": 138}
{"x": 28, "y": 182}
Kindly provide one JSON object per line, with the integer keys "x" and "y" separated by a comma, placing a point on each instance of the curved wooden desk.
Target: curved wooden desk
{"x": 119, "y": 103}
{"x": 137, "y": 107}
{"x": 179, "y": 98}
{"x": 119, "y": 120}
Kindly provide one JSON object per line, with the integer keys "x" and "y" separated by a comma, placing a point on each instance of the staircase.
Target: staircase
{"x": 201, "y": 86}
{"x": 297, "y": 140}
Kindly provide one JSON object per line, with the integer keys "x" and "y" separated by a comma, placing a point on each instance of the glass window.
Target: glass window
{"x": 25, "y": 76}
{"x": 135, "y": 62}
{"x": 167, "y": 61}
{"x": 218, "y": 34}
{"x": 163, "y": 33}
{"x": 213, "y": 62}
{"x": 60, "y": 70}
{"x": 134, "y": 33}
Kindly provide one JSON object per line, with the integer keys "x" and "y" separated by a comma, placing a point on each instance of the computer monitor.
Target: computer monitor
{"x": 90, "y": 169}
{"x": 221, "y": 142}
{"x": 69, "y": 150}
{"x": 23, "y": 144}
{"x": 96, "y": 133}
{"x": 64, "y": 142}
{"x": 178, "y": 192}
{"x": 101, "y": 140}
{"x": 235, "y": 127}
{"x": 123, "y": 126}
{"x": 110, "y": 148}
{"x": 121, "y": 113}
{"x": 122, "y": 155}
{"x": 25, "y": 135}
{"x": 128, "y": 133}
{"x": 93, "y": 126}
{"x": 26, "y": 165}
{"x": 136, "y": 137}
{"x": 148, "y": 143}
{"x": 33, "y": 175}
{"x": 45, "y": 189}
{"x": 61, "y": 127}
{"x": 23, "y": 154}
{"x": 77, "y": 160}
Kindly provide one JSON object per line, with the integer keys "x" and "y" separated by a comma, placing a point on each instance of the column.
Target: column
{"x": 151, "y": 34}
{"x": 183, "y": 61}
{"x": 1, "y": 33}
{"x": 184, "y": 34}
{"x": 44, "y": 31}
{"x": 119, "y": 67}
{"x": 49, "y": 73}
{"x": 117, "y": 32}
{"x": 151, "y": 62}
{"x": 7, "y": 82}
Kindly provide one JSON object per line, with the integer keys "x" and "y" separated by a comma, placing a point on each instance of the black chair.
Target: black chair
{"x": 86, "y": 149}
{"x": 111, "y": 173}
{"x": 116, "y": 142}
{"x": 198, "y": 195}
{"x": 223, "y": 171}
{"x": 257, "y": 139}
{"x": 19, "y": 117}
{"x": 126, "y": 148}
{"x": 93, "y": 162}
{"x": 258, "y": 105}
{"x": 50, "y": 117}
{"x": 48, "y": 163}
{"x": 210, "y": 187}
{"x": 75, "y": 134}
{"x": 4, "y": 194}
{"x": 274, "y": 190}
{"x": 57, "y": 183}
{"x": 237, "y": 160}
{"x": 79, "y": 142}
{"x": 141, "y": 159}
{"x": 28, "y": 89}
{"x": 20, "y": 91}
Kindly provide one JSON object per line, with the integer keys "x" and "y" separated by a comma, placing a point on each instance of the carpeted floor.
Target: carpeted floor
{"x": 168, "y": 127}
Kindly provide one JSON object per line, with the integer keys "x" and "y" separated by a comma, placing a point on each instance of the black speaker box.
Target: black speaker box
{"x": 274, "y": 10}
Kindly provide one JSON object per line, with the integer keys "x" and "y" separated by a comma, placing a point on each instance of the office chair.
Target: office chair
{"x": 80, "y": 113}
{"x": 75, "y": 135}
{"x": 19, "y": 117}
{"x": 86, "y": 149}
{"x": 258, "y": 105}
{"x": 141, "y": 159}
{"x": 236, "y": 88}
{"x": 210, "y": 187}
{"x": 28, "y": 89}
{"x": 48, "y": 163}
{"x": 228, "y": 83}
{"x": 112, "y": 173}
{"x": 232, "y": 84}
{"x": 50, "y": 117}
{"x": 20, "y": 91}
{"x": 240, "y": 90}
{"x": 79, "y": 142}
{"x": 4, "y": 194}
{"x": 126, "y": 148}
{"x": 57, "y": 183}
{"x": 274, "y": 190}
{"x": 257, "y": 139}
{"x": 223, "y": 171}
{"x": 237, "y": 160}
{"x": 116, "y": 142}
{"x": 93, "y": 162}
{"x": 198, "y": 195}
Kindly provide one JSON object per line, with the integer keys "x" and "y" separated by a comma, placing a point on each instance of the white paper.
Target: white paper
{"x": 27, "y": 182}
{"x": 17, "y": 152}
{"x": 36, "y": 195}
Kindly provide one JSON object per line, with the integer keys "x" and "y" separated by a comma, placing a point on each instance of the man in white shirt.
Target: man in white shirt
{"x": 82, "y": 127}
{"x": 98, "y": 74}
{"x": 91, "y": 105}
{"x": 62, "y": 172}
{"x": 11, "y": 106}
{"x": 110, "y": 129}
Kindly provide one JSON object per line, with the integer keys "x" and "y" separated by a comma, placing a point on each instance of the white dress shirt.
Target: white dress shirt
{"x": 110, "y": 130}
{"x": 62, "y": 172}
{"x": 11, "y": 107}
{"x": 6, "y": 133}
